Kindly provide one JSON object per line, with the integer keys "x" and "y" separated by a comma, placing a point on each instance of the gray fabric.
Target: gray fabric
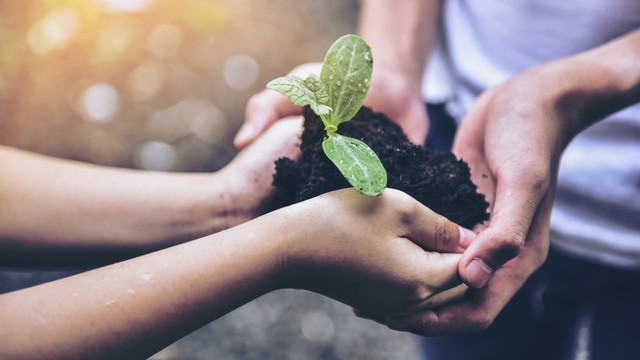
{"x": 597, "y": 211}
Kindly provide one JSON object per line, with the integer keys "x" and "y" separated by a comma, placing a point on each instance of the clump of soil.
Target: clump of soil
{"x": 436, "y": 179}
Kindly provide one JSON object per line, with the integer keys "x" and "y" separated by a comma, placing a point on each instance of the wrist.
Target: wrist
{"x": 293, "y": 238}
{"x": 400, "y": 35}
{"x": 304, "y": 252}
{"x": 599, "y": 82}
{"x": 223, "y": 201}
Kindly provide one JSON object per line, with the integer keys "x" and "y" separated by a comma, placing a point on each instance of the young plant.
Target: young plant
{"x": 336, "y": 96}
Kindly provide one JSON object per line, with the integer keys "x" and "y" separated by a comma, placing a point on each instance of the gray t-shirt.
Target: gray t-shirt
{"x": 597, "y": 210}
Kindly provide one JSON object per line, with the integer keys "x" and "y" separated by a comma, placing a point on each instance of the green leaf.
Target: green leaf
{"x": 346, "y": 75}
{"x": 357, "y": 162}
{"x": 309, "y": 91}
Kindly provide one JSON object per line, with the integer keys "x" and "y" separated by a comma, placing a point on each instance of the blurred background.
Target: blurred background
{"x": 161, "y": 85}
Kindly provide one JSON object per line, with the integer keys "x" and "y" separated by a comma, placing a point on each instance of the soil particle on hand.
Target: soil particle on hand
{"x": 436, "y": 179}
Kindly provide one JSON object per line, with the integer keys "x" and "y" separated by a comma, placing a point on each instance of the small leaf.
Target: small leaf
{"x": 309, "y": 91}
{"x": 357, "y": 162}
{"x": 346, "y": 75}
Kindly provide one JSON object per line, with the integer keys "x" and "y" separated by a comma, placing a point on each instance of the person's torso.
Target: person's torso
{"x": 597, "y": 209}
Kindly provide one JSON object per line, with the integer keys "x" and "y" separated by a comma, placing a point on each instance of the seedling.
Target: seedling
{"x": 336, "y": 96}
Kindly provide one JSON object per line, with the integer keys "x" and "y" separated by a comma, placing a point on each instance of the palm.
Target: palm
{"x": 391, "y": 95}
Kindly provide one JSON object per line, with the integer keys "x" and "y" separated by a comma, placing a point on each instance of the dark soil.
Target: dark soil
{"x": 436, "y": 179}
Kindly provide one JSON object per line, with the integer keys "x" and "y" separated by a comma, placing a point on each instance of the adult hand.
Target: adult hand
{"x": 398, "y": 96}
{"x": 390, "y": 92}
{"x": 512, "y": 139}
{"x": 387, "y": 255}
{"x": 268, "y": 106}
{"x": 249, "y": 175}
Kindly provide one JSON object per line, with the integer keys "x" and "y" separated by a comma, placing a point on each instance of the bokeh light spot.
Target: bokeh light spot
{"x": 116, "y": 40}
{"x": 147, "y": 80}
{"x": 53, "y": 32}
{"x": 165, "y": 40}
{"x": 317, "y": 326}
{"x": 190, "y": 116}
{"x": 99, "y": 102}
{"x": 241, "y": 71}
{"x": 123, "y": 6}
{"x": 156, "y": 156}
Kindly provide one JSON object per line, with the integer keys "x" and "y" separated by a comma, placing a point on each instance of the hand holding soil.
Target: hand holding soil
{"x": 388, "y": 255}
{"x": 245, "y": 174}
{"x": 437, "y": 180}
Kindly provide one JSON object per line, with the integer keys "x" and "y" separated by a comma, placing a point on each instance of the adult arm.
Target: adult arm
{"x": 513, "y": 138}
{"x": 400, "y": 34}
{"x": 371, "y": 253}
{"x": 61, "y": 211}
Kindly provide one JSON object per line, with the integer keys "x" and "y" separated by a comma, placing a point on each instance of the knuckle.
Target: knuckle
{"x": 481, "y": 323}
{"x": 414, "y": 291}
{"x": 509, "y": 245}
{"x": 406, "y": 208}
{"x": 420, "y": 293}
{"x": 253, "y": 104}
{"x": 442, "y": 231}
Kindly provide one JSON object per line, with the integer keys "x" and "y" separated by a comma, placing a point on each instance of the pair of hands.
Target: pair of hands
{"x": 512, "y": 139}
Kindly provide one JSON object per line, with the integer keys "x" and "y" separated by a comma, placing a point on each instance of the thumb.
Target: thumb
{"x": 434, "y": 232}
{"x": 516, "y": 203}
{"x": 262, "y": 110}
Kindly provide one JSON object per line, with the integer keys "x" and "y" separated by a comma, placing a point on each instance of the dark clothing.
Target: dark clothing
{"x": 568, "y": 309}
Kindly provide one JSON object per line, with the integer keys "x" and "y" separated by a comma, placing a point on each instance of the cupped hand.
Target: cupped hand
{"x": 397, "y": 95}
{"x": 269, "y": 106}
{"x": 249, "y": 175}
{"x": 391, "y": 92}
{"x": 512, "y": 139}
{"x": 387, "y": 255}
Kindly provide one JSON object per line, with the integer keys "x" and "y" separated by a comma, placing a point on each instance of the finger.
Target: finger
{"x": 434, "y": 232}
{"x": 476, "y": 312}
{"x": 440, "y": 274}
{"x": 279, "y": 140}
{"x": 401, "y": 323}
{"x": 447, "y": 296}
{"x": 469, "y": 146}
{"x": 480, "y": 307}
{"x": 369, "y": 316}
{"x": 415, "y": 122}
{"x": 516, "y": 202}
{"x": 262, "y": 110}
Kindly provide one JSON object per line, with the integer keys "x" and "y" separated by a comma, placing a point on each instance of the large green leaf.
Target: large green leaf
{"x": 357, "y": 162}
{"x": 309, "y": 91}
{"x": 346, "y": 75}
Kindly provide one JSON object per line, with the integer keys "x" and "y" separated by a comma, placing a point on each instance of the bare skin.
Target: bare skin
{"x": 50, "y": 206}
{"x": 512, "y": 138}
{"x": 514, "y": 154}
{"x": 397, "y": 74}
{"x": 389, "y": 255}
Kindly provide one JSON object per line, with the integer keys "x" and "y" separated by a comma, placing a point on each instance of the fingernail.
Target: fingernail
{"x": 246, "y": 133}
{"x": 478, "y": 273}
{"x": 466, "y": 237}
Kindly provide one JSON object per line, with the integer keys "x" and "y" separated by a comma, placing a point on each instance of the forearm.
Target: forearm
{"x": 363, "y": 257}
{"x": 51, "y": 205}
{"x": 135, "y": 308}
{"x": 599, "y": 82}
{"x": 400, "y": 33}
